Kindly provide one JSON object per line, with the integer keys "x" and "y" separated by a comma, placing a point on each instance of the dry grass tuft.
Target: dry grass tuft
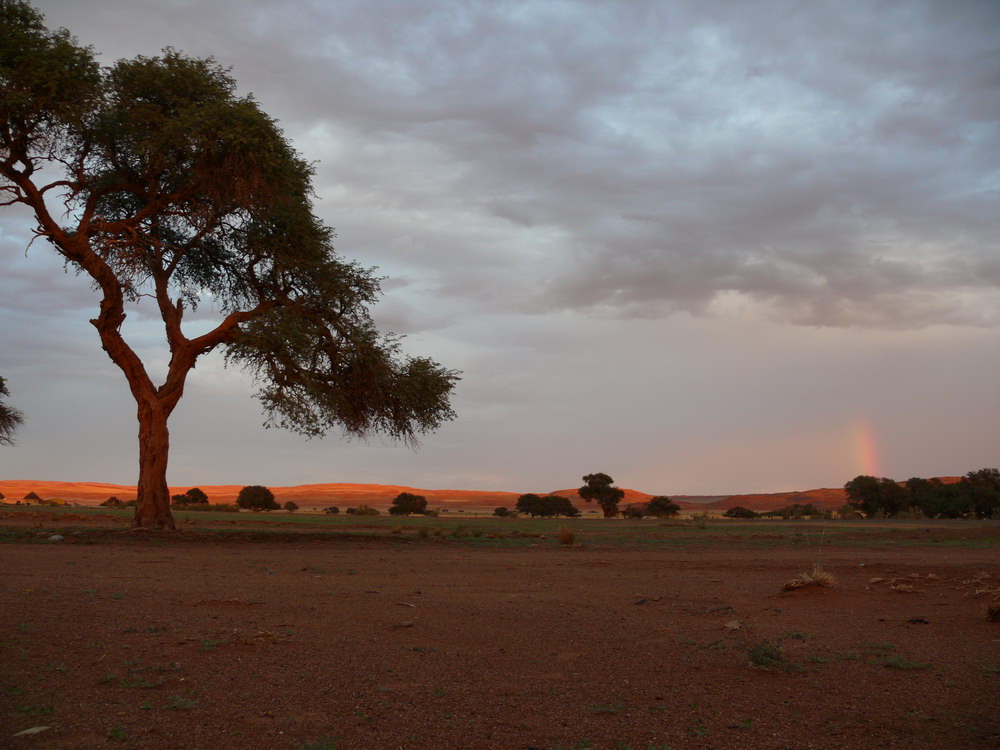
{"x": 565, "y": 535}
{"x": 901, "y": 588}
{"x": 397, "y": 530}
{"x": 815, "y": 577}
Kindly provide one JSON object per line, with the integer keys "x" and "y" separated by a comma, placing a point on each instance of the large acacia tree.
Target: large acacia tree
{"x": 158, "y": 181}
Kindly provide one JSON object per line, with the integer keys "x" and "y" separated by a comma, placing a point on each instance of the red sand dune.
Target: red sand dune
{"x": 312, "y": 496}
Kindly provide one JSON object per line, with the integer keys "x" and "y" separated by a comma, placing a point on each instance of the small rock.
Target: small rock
{"x": 404, "y": 624}
{"x": 56, "y": 538}
{"x": 641, "y": 600}
{"x": 734, "y": 625}
{"x": 33, "y": 730}
{"x": 919, "y": 621}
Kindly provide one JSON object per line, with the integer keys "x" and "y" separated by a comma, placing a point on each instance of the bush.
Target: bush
{"x": 331, "y": 510}
{"x": 256, "y": 498}
{"x": 193, "y": 496}
{"x": 406, "y": 503}
{"x": 501, "y": 512}
{"x": 291, "y": 506}
{"x": 636, "y": 510}
{"x": 363, "y": 510}
{"x": 550, "y": 505}
{"x": 565, "y": 535}
{"x": 740, "y": 512}
{"x": 662, "y": 506}
{"x": 111, "y": 502}
{"x": 32, "y": 496}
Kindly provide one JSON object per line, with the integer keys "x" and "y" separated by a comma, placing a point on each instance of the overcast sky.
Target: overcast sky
{"x": 705, "y": 247}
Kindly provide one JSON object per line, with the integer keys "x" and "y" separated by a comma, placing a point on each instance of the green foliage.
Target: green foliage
{"x": 10, "y": 418}
{"x": 406, "y": 503}
{"x": 740, "y": 512}
{"x": 256, "y": 498}
{"x": 291, "y": 506}
{"x": 501, "y": 512}
{"x": 363, "y": 510}
{"x": 600, "y": 487}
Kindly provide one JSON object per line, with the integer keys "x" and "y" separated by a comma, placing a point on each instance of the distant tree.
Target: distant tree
{"x": 331, "y": 510}
{"x": 112, "y": 502}
{"x": 600, "y": 487}
{"x": 10, "y": 418}
{"x": 406, "y": 503}
{"x": 291, "y": 506}
{"x": 196, "y": 495}
{"x": 256, "y": 498}
{"x": 739, "y": 511}
{"x": 661, "y": 506}
{"x": 2, "y": 496}
{"x": 155, "y": 179}
{"x": 877, "y": 495}
{"x": 863, "y": 494}
{"x": 635, "y": 510}
{"x": 366, "y": 510}
{"x": 179, "y": 499}
{"x": 983, "y": 490}
{"x": 557, "y": 505}
{"x": 529, "y": 504}
{"x": 501, "y": 512}
{"x": 32, "y": 496}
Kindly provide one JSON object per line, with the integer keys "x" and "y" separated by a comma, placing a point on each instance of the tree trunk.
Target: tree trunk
{"x": 153, "y": 507}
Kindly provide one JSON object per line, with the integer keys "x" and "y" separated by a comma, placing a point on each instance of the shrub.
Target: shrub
{"x": 367, "y": 510}
{"x": 111, "y": 502}
{"x": 635, "y": 510}
{"x": 406, "y": 503}
{"x": 815, "y": 577}
{"x": 661, "y": 506}
{"x": 565, "y": 535}
{"x": 291, "y": 506}
{"x": 740, "y": 512}
{"x": 331, "y": 510}
{"x": 423, "y": 532}
{"x": 256, "y": 498}
{"x": 550, "y": 505}
{"x": 766, "y": 655}
{"x": 396, "y": 530}
{"x": 501, "y": 512}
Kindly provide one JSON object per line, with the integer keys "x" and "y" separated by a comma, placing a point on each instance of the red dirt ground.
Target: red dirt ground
{"x": 187, "y": 640}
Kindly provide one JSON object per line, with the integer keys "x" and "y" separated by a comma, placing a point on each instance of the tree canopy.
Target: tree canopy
{"x": 178, "y": 189}
{"x": 546, "y": 506}
{"x": 10, "y": 418}
{"x": 256, "y": 498}
{"x": 600, "y": 487}
{"x": 406, "y": 503}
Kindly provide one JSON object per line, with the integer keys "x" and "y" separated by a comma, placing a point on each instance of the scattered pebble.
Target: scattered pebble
{"x": 56, "y": 538}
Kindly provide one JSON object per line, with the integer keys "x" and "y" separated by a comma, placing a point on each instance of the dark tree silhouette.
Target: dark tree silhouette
{"x": 406, "y": 503}
{"x": 175, "y": 187}
{"x": 662, "y": 507}
{"x": 256, "y": 498}
{"x": 600, "y": 487}
{"x": 10, "y": 418}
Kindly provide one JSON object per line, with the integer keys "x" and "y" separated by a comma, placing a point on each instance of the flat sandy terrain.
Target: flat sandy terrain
{"x": 246, "y": 640}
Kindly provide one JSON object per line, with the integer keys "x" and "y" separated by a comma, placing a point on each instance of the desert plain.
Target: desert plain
{"x": 312, "y": 632}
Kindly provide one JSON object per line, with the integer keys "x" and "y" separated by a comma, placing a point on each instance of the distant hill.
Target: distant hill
{"x": 311, "y": 496}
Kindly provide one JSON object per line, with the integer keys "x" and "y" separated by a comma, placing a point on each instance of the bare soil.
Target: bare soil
{"x": 186, "y": 640}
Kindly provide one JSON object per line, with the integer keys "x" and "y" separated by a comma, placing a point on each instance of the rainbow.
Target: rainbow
{"x": 866, "y": 454}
